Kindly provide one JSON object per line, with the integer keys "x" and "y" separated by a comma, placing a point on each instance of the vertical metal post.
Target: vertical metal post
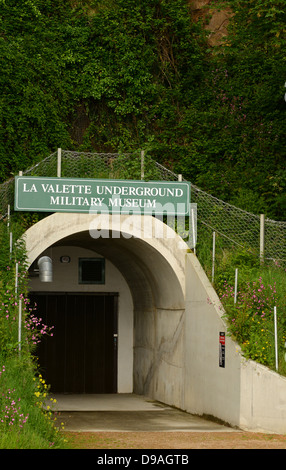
{"x": 20, "y": 326}
{"x": 142, "y": 164}
{"x": 16, "y": 279}
{"x": 213, "y": 264}
{"x": 193, "y": 231}
{"x": 59, "y": 163}
{"x": 11, "y": 243}
{"x": 8, "y": 217}
{"x": 180, "y": 178}
{"x": 262, "y": 237}
{"x": 235, "y": 285}
{"x": 275, "y": 338}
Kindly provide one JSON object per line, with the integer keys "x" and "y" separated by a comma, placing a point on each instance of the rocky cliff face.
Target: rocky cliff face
{"x": 215, "y": 20}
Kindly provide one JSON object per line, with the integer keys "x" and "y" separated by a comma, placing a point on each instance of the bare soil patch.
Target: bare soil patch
{"x": 175, "y": 440}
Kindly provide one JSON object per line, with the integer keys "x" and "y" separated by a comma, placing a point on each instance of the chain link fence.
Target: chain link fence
{"x": 235, "y": 226}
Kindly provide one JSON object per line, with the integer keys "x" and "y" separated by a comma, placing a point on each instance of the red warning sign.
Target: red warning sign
{"x": 222, "y": 349}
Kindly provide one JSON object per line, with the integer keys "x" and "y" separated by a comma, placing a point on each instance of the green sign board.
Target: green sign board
{"x": 101, "y": 196}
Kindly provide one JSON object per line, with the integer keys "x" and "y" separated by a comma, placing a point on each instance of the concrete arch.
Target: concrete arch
{"x": 152, "y": 263}
{"x": 151, "y": 258}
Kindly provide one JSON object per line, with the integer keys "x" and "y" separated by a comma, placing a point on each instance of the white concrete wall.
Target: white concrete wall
{"x": 65, "y": 279}
{"x": 177, "y": 321}
{"x": 244, "y": 393}
{"x": 263, "y": 399}
{"x": 169, "y": 353}
{"x": 159, "y": 355}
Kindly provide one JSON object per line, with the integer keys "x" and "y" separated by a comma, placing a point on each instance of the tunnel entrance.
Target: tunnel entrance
{"x": 147, "y": 272}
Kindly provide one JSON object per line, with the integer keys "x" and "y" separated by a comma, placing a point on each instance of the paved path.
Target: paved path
{"x": 126, "y": 412}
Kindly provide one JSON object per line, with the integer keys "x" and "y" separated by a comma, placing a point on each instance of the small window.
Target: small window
{"x": 91, "y": 270}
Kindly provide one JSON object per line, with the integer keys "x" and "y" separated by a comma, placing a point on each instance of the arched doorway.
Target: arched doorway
{"x": 151, "y": 268}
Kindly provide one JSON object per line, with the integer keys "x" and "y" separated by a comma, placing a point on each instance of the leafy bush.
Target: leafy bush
{"x": 118, "y": 76}
{"x": 261, "y": 287}
{"x": 251, "y": 320}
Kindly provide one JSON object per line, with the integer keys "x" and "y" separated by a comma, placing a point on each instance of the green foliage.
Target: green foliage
{"x": 25, "y": 423}
{"x": 261, "y": 22}
{"x": 260, "y": 288}
{"x": 122, "y": 75}
{"x": 249, "y": 78}
{"x": 12, "y": 277}
{"x": 251, "y": 318}
{"x": 37, "y": 87}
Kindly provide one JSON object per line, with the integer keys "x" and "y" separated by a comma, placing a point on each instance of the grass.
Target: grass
{"x": 25, "y": 423}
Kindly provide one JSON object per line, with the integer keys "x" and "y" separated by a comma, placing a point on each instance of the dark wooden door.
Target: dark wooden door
{"x": 81, "y": 356}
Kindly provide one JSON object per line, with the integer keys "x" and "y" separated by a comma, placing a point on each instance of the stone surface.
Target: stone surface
{"x": 215, "y": 21}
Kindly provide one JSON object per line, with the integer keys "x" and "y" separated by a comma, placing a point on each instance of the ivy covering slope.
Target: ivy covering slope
{"x": 122, "y": 75}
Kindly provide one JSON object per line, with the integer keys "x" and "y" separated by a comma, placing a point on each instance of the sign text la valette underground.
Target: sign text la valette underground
{"x": 105, "y": 196}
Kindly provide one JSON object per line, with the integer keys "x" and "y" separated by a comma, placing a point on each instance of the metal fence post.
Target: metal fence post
{"x": 193, "y": 231}
{"x": 275, "y": 339}
{"x": 213, "y": 263}
{"x": 142, "y": 164}
{"x": 235, "y": 285}
{"x": 11, "y": 244}
{"x": 20, "y": 326}
{"x": 262, "y": 237}
{"x": 16, "y": 278}
{"x": 59, "y": 163}
{"x": 8, "y": 217}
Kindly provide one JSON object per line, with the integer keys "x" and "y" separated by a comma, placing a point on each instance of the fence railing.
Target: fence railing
{"x": 265, "y": 237}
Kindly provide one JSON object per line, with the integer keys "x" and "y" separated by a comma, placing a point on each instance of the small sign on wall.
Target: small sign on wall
{"x": 222, "y": 349}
